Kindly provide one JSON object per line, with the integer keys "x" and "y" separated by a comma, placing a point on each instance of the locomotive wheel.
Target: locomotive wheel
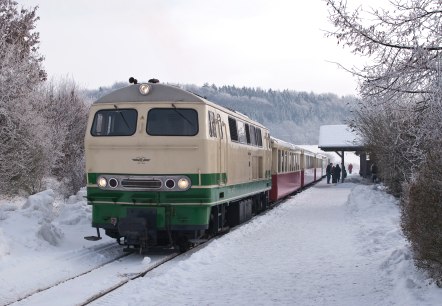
{"x": 183, "y": 244}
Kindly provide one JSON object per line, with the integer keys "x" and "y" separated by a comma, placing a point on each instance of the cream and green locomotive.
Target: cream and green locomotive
{"x": 168, "y": 167}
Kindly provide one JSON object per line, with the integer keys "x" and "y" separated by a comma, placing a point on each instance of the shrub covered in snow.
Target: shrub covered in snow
{"x": 64, "y": 110}
{"x": 421, "y": 216}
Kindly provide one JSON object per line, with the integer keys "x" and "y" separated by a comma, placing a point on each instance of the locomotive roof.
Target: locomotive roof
{"x": 157, "y": 92}
{"x": 162, "y": 93}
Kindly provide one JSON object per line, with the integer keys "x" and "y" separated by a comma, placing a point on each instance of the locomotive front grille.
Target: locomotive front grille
{"x": 141, "y": 184}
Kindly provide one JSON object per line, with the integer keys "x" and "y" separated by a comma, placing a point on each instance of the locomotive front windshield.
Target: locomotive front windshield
{"x": 172, "y": 122}
{"x": 114, "y": 122}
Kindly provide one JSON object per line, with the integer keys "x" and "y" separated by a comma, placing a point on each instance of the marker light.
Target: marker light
{"x": 101, "y": 182}
{"x": 113, "y": 182}
{"x": 183, "y": 183}
{"x": 144, "y": 89}
{"x": 170, "y": 184}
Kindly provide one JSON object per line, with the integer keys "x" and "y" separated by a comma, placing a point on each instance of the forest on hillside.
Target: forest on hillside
{"x": 293, "y": 116}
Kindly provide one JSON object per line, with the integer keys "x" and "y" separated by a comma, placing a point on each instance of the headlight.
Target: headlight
{"x": 183, "y": 183}
{"x": 101, "y": 182}
{"x": 144, "y": 89}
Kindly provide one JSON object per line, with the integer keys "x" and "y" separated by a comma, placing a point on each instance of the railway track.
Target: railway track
{"x": 96, "y": 283}
{"x": 40, "y": 273}
{"x": 86, "y": 287}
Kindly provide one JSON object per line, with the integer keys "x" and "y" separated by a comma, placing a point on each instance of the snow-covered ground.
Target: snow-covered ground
{"x": 328, "y": 245}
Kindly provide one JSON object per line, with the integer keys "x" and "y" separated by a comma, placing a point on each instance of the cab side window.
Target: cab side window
{"x": 212, "y": 124}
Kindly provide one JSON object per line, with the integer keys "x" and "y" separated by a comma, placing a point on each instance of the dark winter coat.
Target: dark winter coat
{"x": 328, "y": 170}
{"x": 337, "y": 172}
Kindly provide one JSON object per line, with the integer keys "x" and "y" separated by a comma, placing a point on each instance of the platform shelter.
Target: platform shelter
{"x": 339, "y": 139}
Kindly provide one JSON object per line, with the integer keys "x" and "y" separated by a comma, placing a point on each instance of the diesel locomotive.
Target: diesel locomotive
{"x": 168, "y": 167}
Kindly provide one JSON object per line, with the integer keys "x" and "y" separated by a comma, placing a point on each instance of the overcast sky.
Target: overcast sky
{"x": 278, "y": 44}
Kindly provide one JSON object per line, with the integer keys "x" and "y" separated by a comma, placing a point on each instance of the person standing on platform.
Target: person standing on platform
{"x": 337, "y": 172}
{"x": 328, "y": 172}
{"x": 374, "y": 173}
{"x": 350, "y": 168}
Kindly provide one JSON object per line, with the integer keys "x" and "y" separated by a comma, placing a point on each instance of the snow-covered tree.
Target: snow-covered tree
{"x": 400, "y": 114}
{"x": 64, "y": 110}
{"x": 22, "y": 151}
{"x": 403, "y": 44}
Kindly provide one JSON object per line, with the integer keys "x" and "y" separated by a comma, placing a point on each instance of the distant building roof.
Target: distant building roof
{"x": 339, "y": 138}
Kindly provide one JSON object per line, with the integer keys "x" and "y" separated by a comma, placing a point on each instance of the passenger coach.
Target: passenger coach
{"x": 293, "y": 168}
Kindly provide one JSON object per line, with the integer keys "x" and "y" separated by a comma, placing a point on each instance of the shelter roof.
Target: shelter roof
{"x": 339, "y": 138}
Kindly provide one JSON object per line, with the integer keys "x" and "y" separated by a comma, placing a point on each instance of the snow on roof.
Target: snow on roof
{"x": 338, "y": 136}
{"x": 312, "y": 148}
{"x": 285, "y": 143}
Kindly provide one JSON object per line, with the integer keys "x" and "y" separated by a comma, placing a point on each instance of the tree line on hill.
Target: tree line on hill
{"x": 290, "y": 115}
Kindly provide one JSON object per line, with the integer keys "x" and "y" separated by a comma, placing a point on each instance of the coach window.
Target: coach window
{"x": 279, "y": 161}
{"x": 241, "y": 132}
{"x": 252, "y": 135}
{"x": 172, "y": 122}
{"x": 233, "y": 129}
{"x": 220, "y": 126}
{"x": 114, "y": 122}
{"x": 247, "y": 133}
{"x": 291, "y": 161}
{"x": 286, "y": 159}
{"x": 258, "y": 137}
{"x": 212, "y": 124}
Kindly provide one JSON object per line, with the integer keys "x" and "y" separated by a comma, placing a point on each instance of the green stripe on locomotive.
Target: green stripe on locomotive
{"x": 181, "y": 217}
{"x": 190, "y": 208}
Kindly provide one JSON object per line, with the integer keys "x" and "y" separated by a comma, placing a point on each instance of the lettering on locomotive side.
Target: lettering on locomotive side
{"x": 141, "y": 160}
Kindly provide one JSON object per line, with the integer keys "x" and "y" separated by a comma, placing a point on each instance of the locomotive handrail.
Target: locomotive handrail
{"x": 162, "y": 147}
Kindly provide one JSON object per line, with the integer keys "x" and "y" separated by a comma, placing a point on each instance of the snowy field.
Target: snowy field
{"x": 329, "y": 245}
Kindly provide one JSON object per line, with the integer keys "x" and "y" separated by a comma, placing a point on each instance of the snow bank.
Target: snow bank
{"x": 40, "y": 207}
{"x": 4, "y": 246}
{"x": 378, "y": 216}
{"x": 41, "y": 218}
{"x": 75, "y": 211}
